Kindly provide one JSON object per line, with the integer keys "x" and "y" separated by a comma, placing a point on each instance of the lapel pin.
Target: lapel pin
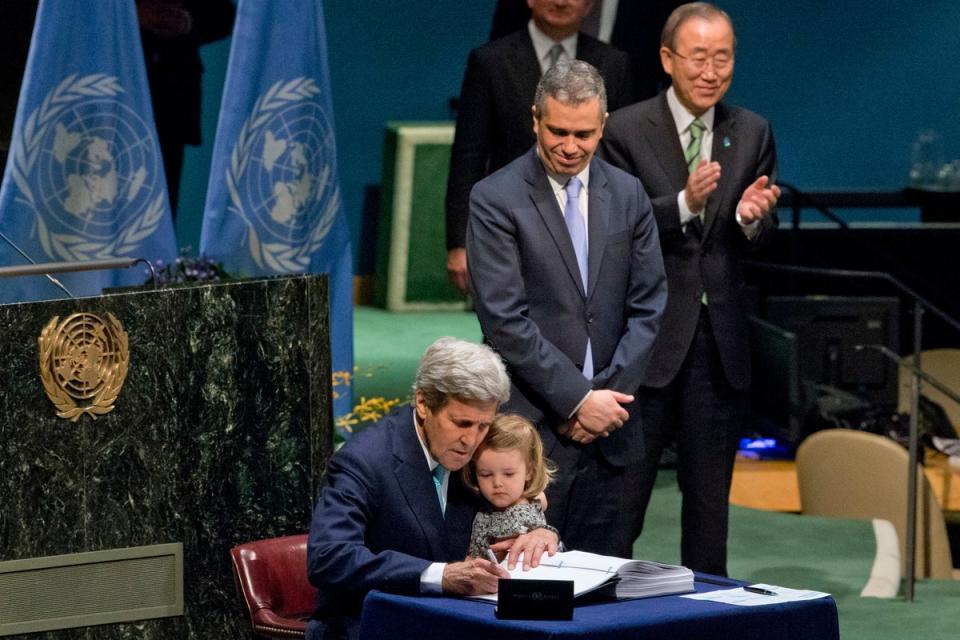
{"x": 726, "y": 142}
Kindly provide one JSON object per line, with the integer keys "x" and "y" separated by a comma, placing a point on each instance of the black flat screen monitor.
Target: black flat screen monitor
{"x": 776, "y": 394}
{"x": 828, "y": 330}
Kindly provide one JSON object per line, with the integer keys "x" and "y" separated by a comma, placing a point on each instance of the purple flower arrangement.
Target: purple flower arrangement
{"x": 189, "y": 270}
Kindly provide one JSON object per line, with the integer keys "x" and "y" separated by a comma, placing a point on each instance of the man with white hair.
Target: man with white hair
{"x": 394, "y": 516}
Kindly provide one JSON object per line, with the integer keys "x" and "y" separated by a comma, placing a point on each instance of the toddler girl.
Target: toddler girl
{"x": 510, "y": 471}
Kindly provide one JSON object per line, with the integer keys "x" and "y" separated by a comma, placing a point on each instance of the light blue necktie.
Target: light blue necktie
{"x": 578, "y": 235}
{"x": 438, "y": 473}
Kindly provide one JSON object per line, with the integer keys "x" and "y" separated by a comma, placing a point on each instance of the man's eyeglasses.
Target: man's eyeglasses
{"x": 721, "y": 61}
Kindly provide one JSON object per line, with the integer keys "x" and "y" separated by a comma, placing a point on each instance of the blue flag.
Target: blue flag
{"x": 84, "y": 177}
{"x": 273, "y": 204}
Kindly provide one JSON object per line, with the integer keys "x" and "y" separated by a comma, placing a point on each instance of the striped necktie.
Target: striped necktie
{"x": 692, "y": 154}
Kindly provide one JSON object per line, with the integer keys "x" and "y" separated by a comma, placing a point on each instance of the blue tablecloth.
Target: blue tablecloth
{"x": 387, "y": 616}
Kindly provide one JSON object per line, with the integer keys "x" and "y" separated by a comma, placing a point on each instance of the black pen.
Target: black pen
{"x": 763, "y": 592}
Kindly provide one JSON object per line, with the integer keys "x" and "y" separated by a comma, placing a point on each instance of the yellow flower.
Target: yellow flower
{"x": 367, "y": 411}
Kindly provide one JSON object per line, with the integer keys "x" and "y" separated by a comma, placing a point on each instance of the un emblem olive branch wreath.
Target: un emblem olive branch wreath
{"x": 50, "y": 341}
{"x": 67, "y": 246}
{"x": 279, "y": 257}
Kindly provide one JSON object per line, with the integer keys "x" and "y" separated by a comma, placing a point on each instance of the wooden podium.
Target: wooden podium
{"x": 219, "y": 435}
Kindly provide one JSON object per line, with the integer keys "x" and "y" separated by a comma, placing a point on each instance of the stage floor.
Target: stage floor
{"x": 771, "y": 485}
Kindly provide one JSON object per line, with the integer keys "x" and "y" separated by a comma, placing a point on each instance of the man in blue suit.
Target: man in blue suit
{"x": 394, "y": 514}
{"x": 569, "y": 288}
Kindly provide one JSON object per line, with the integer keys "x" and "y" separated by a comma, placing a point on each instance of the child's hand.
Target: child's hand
{"x": 530, "y": 545}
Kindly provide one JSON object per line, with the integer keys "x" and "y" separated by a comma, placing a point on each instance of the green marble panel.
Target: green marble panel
{"x": 219, "y": 436}
{"x": 427, "y": 278}
{"x": 411, "y": 248}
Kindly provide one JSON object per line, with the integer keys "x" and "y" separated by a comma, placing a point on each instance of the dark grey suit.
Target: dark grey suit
{"x": 494, "y": 123}
{"x": 636, "y": 30}
{"x": 531, "y": 305}
{"x": 700, "y": 368}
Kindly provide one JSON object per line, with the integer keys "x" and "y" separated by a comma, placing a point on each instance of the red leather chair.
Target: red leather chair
{"x": 272, "y": 579}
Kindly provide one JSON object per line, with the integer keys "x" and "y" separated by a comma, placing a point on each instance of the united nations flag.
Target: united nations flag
{"x": 273, "y": 204}
{"x": 84, "y": 177}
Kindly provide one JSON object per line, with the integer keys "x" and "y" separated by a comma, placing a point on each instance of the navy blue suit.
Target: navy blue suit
{"x": 530, "y": 301}
{"x": 378, "y": 524}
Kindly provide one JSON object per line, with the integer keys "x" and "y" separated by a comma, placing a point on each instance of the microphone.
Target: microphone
{"x": 49, "y": 277}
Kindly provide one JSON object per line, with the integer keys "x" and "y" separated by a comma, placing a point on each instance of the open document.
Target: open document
{"x": 616, "y": 577}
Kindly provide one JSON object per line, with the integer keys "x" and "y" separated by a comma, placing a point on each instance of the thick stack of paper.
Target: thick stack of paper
{"x": 644, "y": 578}
{"x": 616, "y": 577}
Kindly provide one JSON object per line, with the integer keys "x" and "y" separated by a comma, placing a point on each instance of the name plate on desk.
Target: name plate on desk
{"x": 535, "y": 599}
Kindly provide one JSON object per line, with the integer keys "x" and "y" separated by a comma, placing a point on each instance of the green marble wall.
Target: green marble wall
{"x": 219, "y": 436}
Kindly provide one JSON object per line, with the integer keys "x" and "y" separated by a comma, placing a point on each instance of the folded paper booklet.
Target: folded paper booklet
{"x": 615, "y": 577}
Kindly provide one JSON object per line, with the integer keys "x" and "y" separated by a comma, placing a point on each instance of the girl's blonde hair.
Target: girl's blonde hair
{"x": 510, "y": 432}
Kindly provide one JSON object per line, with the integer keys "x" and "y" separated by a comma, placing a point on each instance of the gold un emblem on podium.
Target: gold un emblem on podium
{"x": 83, "y": 363}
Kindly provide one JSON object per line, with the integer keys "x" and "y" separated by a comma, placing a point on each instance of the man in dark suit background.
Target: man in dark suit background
{"x": 394, "y": 515}
{"x": 172, "y": 32}
{"x": 569, "y": 287}
{"x": 709, "y": 169}
{"x": 632, "y": 26}
{"x": 493, "y": 122}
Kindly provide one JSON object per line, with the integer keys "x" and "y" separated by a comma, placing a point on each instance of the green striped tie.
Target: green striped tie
{"x": 692, "y": 154}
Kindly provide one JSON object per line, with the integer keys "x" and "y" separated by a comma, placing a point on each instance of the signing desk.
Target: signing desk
{"x": 388, "y": 616}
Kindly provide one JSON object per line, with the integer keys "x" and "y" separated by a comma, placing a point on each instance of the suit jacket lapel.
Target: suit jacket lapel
{"x": 598, "y": 214}
{"x": 416, "y": 484}
{"x": 586, "y": 49}
{"x": 663, "y": 140}
{"x": 525, "y": 66}
{"x": 722, "y": 151}
{"x": 461, "y": 507}
{"x": 546, "y": 204}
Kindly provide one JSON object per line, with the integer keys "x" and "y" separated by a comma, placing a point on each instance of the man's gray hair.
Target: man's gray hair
{"x": 704, "y": 10}
{"x": 570, "y": 82}
{"x": 452, "y": 368}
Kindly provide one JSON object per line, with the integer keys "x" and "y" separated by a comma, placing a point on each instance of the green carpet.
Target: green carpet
{"x": 388, "y": 346}
{"x": 807, "y": 552}
{"x": 804, "y": 552}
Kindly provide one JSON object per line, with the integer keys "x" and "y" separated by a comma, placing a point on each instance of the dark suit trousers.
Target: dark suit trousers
{"x": 591, "y": 502}
{"x": 704, "y": 415}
